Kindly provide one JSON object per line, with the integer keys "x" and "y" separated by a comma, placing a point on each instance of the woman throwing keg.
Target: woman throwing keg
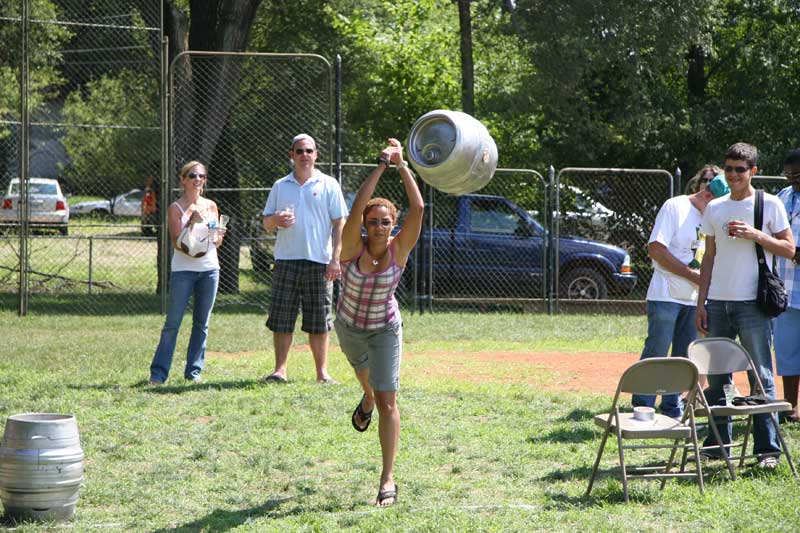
{"x": 195, "y": 270}
{"x": 368, "y": 322}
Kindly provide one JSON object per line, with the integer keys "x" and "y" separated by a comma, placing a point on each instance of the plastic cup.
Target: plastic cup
{"x": 288, "y": 209}
{"x": 729, "y": 228}
{"x": 223, "y": 221}
{"x": 730, "y": 392}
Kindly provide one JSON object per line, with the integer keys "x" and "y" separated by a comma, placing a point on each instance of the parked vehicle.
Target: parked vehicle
{"x": 48, "y": 206}
{"x": 128, "y": 204}
{"x": 487, "y": 246}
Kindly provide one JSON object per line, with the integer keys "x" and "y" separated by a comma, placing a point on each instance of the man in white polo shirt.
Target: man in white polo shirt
{"x": 308, "y": 211}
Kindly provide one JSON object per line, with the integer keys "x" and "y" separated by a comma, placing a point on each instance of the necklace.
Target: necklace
{"x": 375, "y": 261}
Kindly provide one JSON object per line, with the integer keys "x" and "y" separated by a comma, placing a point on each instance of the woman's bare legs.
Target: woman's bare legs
{"x": 389, "y": 433}
{"x": 388, "y": 428}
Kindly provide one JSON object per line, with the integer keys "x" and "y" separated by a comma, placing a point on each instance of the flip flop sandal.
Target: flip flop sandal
{"x": 363, "y": 415}
{"x": 385, "y": 495}
{"x": 274, "y": 378}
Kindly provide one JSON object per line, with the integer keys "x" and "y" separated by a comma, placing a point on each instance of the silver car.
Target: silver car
{"x": 47, "y": 208}
{"x": 126, "y": 205}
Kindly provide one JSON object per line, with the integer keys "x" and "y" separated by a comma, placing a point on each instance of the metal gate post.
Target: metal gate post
{"x": 23, "y": 208}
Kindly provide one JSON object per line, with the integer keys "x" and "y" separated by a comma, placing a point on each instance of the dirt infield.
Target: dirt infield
{"x": 596, "y": 372}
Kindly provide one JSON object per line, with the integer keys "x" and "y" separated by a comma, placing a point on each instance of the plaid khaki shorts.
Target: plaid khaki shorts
{"x": 300, "y": 284}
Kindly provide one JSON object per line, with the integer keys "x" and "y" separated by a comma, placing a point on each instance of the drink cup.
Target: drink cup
{"x": 288, "y": 209}
{"x": 730, "y": 228}
{"x": 223, "y": 221}
{"x": 730, "y": 392}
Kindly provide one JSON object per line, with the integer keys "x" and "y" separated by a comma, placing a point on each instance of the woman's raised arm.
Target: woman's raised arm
{"x": 351, "y": 234}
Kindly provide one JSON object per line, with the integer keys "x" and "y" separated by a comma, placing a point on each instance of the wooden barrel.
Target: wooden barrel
{"x": 41, "y": 466}
{"x": 452, "y": 151}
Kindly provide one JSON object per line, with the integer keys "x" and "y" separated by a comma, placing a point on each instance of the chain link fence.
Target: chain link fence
{"x": 75, "y": 161}
{"x": 85, "y": 124}
{"x": 604, "y": 213}
{"x": 237, "y": 114}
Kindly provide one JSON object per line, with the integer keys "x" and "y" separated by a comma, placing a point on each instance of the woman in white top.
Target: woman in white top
{"x": 195, "y": 270}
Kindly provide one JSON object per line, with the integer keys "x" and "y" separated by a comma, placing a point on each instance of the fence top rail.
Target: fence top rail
{"x": 276, "y": 55}
{"x": 514, "y": 170}
{"x": 615, "y": 170}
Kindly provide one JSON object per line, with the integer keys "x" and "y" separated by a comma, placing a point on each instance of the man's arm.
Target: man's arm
{"x": 273, "y": 222}
{"x": 661, "y": 254}
{"x": 706, "y": 268}
{"x": 334, "y": 271}
{"x": 782, "y": 243}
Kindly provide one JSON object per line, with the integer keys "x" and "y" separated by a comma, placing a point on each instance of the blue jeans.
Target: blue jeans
{"x": 668, "y": 323}
{"x": 754, "y": 328}
{"x": 183, "y": 284}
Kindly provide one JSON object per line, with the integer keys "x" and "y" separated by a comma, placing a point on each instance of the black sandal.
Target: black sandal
{"x": 363, "y": 415}
{"x": 385, "y": 495}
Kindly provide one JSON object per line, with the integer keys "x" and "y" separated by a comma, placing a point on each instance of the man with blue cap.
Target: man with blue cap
{"x": 676, "y": 247}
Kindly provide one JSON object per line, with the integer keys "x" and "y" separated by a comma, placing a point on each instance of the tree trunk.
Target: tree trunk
{"x": 228, "y": 203}
{"x": 467, "y": 77}
{"x": 696, "y": 76}
{"x": 205, "y": 90}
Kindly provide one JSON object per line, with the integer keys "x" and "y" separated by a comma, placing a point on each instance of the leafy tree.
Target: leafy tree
{"x": 45, "y": 42}
{"x": 119, "y": 148}
{"x": 607, "y": 77}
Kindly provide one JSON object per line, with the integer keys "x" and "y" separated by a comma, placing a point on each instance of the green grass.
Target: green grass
{"x": 231, "y": 454}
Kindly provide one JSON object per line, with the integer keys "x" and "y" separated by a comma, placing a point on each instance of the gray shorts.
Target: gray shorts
{"x": 380, "y": 350}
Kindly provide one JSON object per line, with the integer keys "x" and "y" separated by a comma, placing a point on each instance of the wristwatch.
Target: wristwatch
{"x": 382, "y": 160}
{"x": 402, "y": 164}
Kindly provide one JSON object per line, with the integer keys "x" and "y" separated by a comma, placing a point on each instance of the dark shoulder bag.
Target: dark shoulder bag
{"x": 771, "y": 297}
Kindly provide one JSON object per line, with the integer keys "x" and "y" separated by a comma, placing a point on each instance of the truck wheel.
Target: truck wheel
{"x": 584, "y": 284}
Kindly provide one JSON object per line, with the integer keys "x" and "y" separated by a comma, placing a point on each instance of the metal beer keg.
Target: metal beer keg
{"x": 41, "y": 466}
{"x": 452, "y": 151}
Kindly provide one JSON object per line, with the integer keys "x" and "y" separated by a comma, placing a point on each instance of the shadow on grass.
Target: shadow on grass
{"x": 579, "y": 415}
{"x": 185, "y": 386}
{"x": 608, "y": 494}
{"x": 218, "y": 520}
{"x": 564, "y": 435}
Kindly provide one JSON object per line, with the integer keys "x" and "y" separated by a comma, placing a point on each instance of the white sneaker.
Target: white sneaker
{"x": 768, "y": 463}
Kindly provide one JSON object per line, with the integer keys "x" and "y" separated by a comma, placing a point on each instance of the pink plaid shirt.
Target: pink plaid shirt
{"x": 367, "y": 300}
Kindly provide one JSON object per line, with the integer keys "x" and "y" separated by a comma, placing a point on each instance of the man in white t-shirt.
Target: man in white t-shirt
{"x": 726, "y": 304}
{"x": 675, "y": 243}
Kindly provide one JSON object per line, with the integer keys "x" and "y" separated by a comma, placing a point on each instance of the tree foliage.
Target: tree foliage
{"x": 111, "y": 140}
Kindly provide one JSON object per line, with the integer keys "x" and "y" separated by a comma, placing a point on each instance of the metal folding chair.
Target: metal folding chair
{"x": 656, "y": 375}
{"x": 721, "y": 355}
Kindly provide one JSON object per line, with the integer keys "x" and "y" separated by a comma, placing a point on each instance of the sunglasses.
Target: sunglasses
{"x": 376, "y": 223}
{"x": 300, "y": 151}
{"x": 195, "y": 175}
{"x": 738, "y": 170}
{"x": 791, "y": 176}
